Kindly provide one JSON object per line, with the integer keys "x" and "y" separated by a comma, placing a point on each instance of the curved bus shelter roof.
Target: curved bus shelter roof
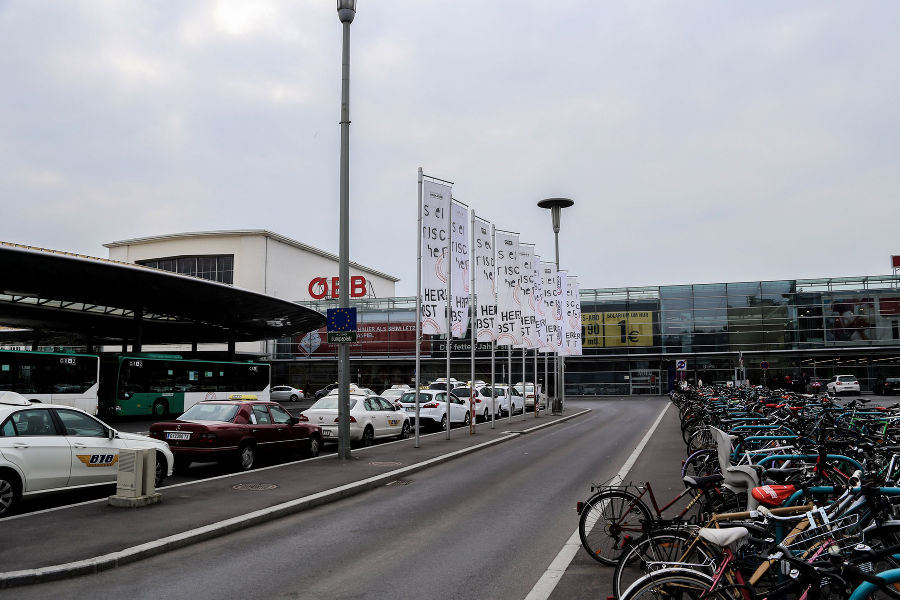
{"x": 70, "y": 296}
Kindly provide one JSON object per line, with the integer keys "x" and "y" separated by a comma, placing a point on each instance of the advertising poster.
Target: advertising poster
{"x": 551, "y": 291}
{"x": 435, "y": 265}
{"x": 459, "y": 269}
{"x": 485, "y": 272}
{"x": 377, "y": 338}
{"x": 508, "y": 308}
{"x": 540, "y": 317}
{"x": 573, "y": 317}
{"x": 527, "y": 332}
{"x": 561, "y": 317}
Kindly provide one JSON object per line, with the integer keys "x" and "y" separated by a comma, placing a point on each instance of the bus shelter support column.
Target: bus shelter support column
{"x": 138, "y": 329}
{"x": 231, "y": 346}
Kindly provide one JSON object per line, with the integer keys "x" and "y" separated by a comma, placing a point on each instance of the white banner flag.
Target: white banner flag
{"x": 573, "y": 312}
{"x": 507, "y": 288}
{"x": 435, "y": 234}
{"x": 459, "y": 269}
{"x": 562, "y": 321}
{"x": 527, "y": 332}
{"x": 485, "y": 273}
{"x": 540, "y": 317}
{"x": 551, "y": 297}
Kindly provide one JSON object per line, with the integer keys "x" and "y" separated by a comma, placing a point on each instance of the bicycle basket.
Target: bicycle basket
{"x": 835, "y": 535}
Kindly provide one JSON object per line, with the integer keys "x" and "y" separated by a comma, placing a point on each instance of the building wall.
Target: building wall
{"x": 261, "y": 263}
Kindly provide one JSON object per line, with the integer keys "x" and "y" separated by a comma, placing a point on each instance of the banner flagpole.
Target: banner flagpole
{"x": 449, "y": 258}
{"x": 536, "y": 401}
{"x": 509, "y": 383}
{"x": 494, "y": 336}
{"x": 419, "y": 309}
{"x": 546, "y": 379}
{"x": 472, "y": 321}
{"x": 524, "y": 386}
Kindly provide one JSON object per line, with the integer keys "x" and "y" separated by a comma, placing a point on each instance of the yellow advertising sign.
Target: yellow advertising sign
{"x": 592, "y": 325}
{"x": 617, "y": 329}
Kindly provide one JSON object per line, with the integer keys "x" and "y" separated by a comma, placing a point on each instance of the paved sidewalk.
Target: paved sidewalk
{"x": 94, "y": 536}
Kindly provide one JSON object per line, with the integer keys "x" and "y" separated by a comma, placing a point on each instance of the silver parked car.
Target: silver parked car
{"x": 285, "y": 393}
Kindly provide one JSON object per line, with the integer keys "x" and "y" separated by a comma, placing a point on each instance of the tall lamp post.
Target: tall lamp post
{"x": 556, "y": 205}
{"x": 346, "y": 11}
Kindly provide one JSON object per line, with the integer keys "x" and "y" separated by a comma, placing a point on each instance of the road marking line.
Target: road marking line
{"x": 549, "y": 580}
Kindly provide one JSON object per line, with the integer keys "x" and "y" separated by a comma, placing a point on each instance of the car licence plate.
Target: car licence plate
{"x": 171, "y": 435}
{"x": 326, "y": 432}
{"x": 410, "y": 409}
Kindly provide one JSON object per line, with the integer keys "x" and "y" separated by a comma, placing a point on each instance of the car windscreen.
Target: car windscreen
{"x": 330, "y": 402}
{"x": 210, "y": 412}
{"x": 410, "y": 397}
{"x": 462, "y": 392}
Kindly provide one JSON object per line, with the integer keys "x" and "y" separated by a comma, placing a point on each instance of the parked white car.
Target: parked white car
{"x": 441, "y": 383}
{"x": 48, "y": 448}
{"x": 529, "y": 395}
{"x": 371, "y": 417}
{"x": 842, "y": 384}
{"x": 507, "y": 397}
{"x": 285, "y": 393}
{"x": 394, "y": 393}
{"x": 433, "y": 408}
{"x": 486, "y": 404}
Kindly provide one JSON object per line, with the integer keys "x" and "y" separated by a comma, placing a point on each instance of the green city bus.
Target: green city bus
{"x": 147, "y": 384}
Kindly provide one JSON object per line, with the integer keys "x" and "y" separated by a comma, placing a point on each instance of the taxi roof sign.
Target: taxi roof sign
{"x": 243, "y": 397}
{"x": 14, "y": 399}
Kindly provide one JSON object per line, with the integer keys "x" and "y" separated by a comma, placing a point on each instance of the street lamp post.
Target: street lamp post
{"x": 556, "y": 205}
{"x": 346, "y": 11}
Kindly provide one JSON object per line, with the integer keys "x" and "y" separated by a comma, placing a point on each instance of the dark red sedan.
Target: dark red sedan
{"x": 236, "y": 432}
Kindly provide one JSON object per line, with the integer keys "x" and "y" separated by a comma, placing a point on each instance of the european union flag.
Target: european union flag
{"x": 341, "y": 319}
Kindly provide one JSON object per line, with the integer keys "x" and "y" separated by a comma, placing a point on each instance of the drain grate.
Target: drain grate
{"x": 254, "y": 487}
{"x": 399, "y": 482}
{"x": 385, "y": 464}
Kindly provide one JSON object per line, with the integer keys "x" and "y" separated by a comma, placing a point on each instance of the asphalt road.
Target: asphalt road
{"x": 486, "y": 525}
{"x": 200, "y": 471}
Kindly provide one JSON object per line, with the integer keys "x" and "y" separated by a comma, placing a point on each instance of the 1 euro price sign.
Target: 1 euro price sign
{"x": 341, "y": 325}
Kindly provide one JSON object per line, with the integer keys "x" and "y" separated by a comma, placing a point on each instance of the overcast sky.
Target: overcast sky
{"x": 701, "y": 141}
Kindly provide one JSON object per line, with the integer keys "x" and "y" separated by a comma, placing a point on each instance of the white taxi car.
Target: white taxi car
{"x": 371, "y": 417}
{"x": 47, "y": 448}
{"x": 433, "y": 408}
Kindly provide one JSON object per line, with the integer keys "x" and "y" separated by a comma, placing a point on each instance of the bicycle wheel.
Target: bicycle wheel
{"x": 661, "y": 549}
{"x": 672, "y": 584}
{"x": 870, "y": 591}
{"x": 700, "y": 439}
{"x": 609, "y": 520}
{"x": 701, "y": 463}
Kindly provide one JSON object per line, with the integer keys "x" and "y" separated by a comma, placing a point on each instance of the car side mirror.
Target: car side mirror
{"x": 112, "y": 433}
{"x": 294, "y": 420}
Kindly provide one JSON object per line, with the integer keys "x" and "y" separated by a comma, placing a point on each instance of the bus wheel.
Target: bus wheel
{"x": 160, "y": 409}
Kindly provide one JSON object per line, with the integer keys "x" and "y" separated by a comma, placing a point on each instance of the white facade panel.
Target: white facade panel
{"x": 263, "y": 261}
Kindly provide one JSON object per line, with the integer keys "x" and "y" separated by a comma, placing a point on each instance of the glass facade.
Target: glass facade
{"x": 805, "y": 330}
{"x": 212, "y": 268}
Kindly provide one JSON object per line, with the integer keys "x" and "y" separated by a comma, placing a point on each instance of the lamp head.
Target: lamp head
{"x": 346, "y": 10}
{"x": 555, "y": 205}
